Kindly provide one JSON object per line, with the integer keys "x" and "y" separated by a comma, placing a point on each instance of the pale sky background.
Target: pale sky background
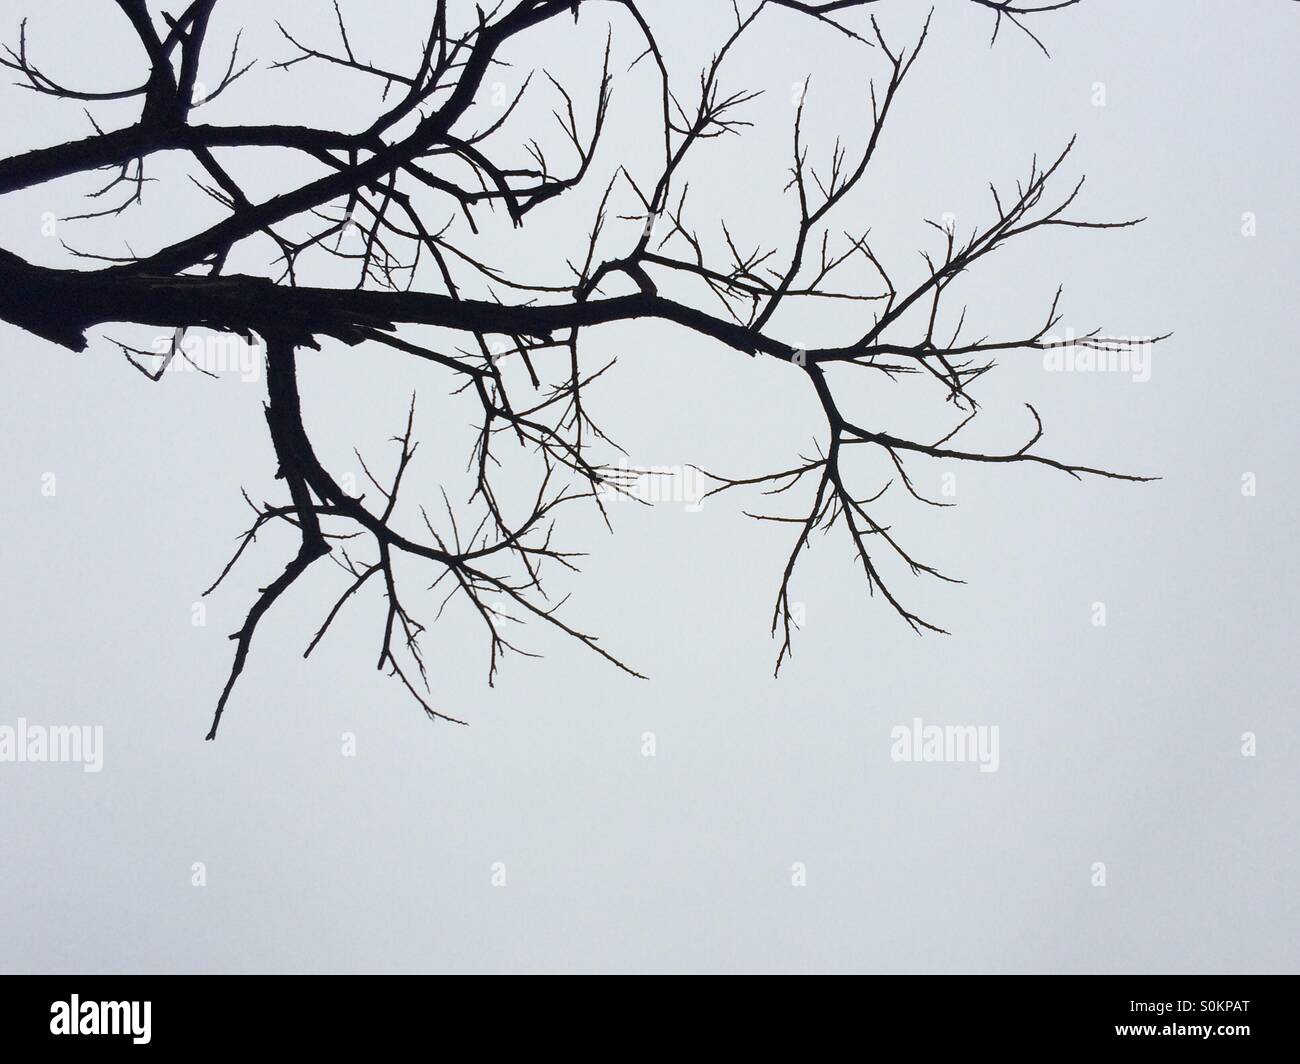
{"x": 1119, "y": 744}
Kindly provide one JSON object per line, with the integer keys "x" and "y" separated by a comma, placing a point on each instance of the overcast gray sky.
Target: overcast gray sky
{"x": 1119, "y": 745}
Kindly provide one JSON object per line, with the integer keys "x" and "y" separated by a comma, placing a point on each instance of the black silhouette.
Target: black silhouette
{"x": 422, "y": 148}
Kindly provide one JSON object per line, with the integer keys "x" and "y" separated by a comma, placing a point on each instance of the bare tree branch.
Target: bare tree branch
{"x": 400, "y": 205}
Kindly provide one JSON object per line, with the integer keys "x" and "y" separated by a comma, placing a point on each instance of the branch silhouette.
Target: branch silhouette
{"x": 421, "y": 157}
